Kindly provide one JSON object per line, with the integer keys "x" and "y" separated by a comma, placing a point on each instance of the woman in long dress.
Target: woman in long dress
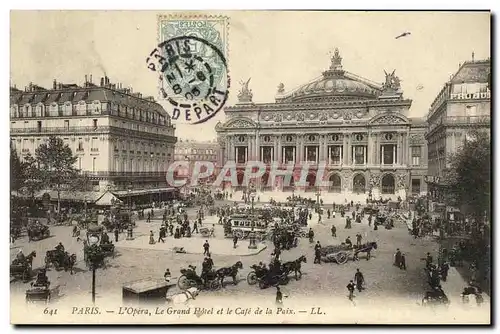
{"x": 151, "y": 238}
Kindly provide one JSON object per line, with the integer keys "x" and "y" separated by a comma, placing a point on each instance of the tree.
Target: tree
{"x": 56, "y": 162}
{"x": 471, "y": 181}
{"x": 32, "y": 178}
{"x": 16, "y": 170}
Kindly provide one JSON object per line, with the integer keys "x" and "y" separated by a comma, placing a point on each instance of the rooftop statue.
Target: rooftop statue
{"x": 392, "y": 82}
{"x": 281, "y": 88}
{"x": 245, "y": 94}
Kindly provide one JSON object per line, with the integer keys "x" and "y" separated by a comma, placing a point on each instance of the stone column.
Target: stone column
{"x": 348, "y": 150}
{"x": 275, "y": 150}
{"x": 280, "y": 150}
{"x": 370, "y": 148}
{"x": 257, "y": 146}
{"x": 376, "y": 149}
{"x": 300, "y": 149}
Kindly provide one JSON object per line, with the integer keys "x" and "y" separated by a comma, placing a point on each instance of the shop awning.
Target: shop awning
{"x": 107, "y": 199}
{"x": 137, "y": 192}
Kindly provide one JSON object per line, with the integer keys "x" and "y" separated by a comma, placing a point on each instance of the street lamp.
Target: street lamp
{"x": 95, "y": 257}
{"x": 318, "y": 193}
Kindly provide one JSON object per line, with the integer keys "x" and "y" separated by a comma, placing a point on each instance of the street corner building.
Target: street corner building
{"x": 462, "y": 107}
{"x": 124, "y": 142}
{"x": 359, "y": 128}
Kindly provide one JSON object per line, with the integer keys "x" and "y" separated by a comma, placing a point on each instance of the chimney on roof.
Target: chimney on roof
{"x": 86, "y": 80}
{"x": 102, "y": 81}
{"x": 106, "y": 80}
{"x": 90, "y": 78}
{"x": 54, "y": 85}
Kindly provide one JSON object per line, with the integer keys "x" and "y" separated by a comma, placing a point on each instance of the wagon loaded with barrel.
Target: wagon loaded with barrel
{"x": 336, "y": 253}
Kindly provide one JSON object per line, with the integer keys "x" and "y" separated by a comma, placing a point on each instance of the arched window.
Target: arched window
{"x": 359, "y": 184}
{"x": 388, "y": 184}
{"x": 335, "y": 183}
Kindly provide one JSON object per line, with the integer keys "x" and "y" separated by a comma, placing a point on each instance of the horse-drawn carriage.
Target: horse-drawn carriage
{"x": 240, "y": 225}
{"x": 37, "y": 231}
{"x": 277, "y": 274}
{"x": 436, "y": 297}
{"x": 22, "y": 268}
{"x": 39, "y": 290}
{"x": 341, "y": 253}
{"x": 336, "y": 253}
{"x": 190, "y": 279}
{"x": 214, "y": 279}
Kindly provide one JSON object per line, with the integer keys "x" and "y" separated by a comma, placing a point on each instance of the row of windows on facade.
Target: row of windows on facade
{"x": 95, "y": 123}
{"x": 194, "y": 151}
{"x": 205, "y": 157}
{"x": 127, "y": 166}
{"x": 333, "y": 137}
{"x": 388, "y": 154}
{"x": 470, "y": 88}
{"x": 28, "y": 144}
{"x": 84, "y": 109}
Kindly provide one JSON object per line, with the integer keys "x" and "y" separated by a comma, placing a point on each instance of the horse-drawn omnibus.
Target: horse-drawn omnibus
{"x": 240, "y": 225}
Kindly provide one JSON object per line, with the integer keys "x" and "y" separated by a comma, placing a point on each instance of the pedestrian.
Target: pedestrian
{"x": 333, "y": 214}
{"x": 151, "y": 238}
{"x": 317, "y": 255}
{"x": 117, "y": 233}
{"x": 311, "y": 235}
{"x": 370, "y": 220}
{"x": 235, "y": 241}
{"x": 359, "y": 237}
{"x": 350, "y": 288}
{"x": 334, "y": 231}
{"x": 279, "y": 297}
{"x": 195, "y": 227}
{"x": 206, "y": 247}
{"x": 161, "y": 234}
{"x": 212, "y": 231}
{"x": 444, "y": 271}
{"x": 360, "y": 280}
{"x": 397, "y": 258}
{"x": 148, "y": 220}
{"x": 403, "y": 262}
{"x": 328, "y": 213}
{"x": 348, "y": 242}
{"x": 167, "y": 275}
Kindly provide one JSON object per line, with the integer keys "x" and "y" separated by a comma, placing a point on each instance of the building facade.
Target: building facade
{"x": 358, "y": 127}
{"x": 463, "y": 105}
{"x": 123, "y": 141}
{"x": 196, "y": 151}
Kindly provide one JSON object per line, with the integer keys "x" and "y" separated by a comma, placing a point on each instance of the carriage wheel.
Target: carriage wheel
{"x": 215, "y": 284}
{"x": 238, "y": 233}
{"x": 183, "y": 283}
{"x": 341, "y": 257}
{"x": 252, "y": 278}
{"x": 262, "y": 284}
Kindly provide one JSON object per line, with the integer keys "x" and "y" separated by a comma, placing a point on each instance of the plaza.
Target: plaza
{"x": 136, "y": 259}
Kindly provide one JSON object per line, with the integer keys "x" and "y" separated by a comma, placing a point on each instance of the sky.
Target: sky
{"x": 270, "y": 47}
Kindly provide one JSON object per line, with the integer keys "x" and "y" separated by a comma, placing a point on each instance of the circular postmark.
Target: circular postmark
{"x": 193, "y": 77}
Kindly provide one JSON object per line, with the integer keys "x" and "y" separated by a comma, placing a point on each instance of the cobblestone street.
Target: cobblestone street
{"x": 137, "y": 259}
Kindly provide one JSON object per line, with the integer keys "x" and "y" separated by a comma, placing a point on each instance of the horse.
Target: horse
{"x": 183, "y": 297}
{"x": 294, "y": 266}
{"x": 68, "y": 262}
{"x": 435, "y": 297}
{"x": 364, "y": 248}
{"x": 29, "y": 258}
{"x": 229, "y": 271}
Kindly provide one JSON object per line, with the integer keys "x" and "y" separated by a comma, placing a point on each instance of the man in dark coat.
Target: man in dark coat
{"x": 162, "y": 234}
{"x": 334, "y": 231}
{"x": 360, "y": 280}
{"x": 117, "y": 233}
{"x": 195, "y": 227}
{"x": 235, "y": 241}
{"x": 317, "y": 253}
{"x": 397, "y": 258}
{"x": 350, "y": 288}
{"x": 206, "y": 248}
{"x": 348, "y": 242}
